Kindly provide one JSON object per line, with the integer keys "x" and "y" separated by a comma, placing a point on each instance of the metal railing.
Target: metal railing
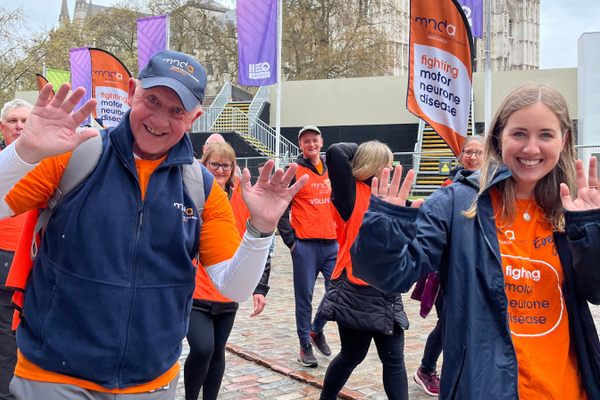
{"x": 252, "y": 164}
{"x": 258, "y": 102}
{"x": 205, "y": 122}
{"x": 586, "y": 151}
{"x": 256, "y": 132}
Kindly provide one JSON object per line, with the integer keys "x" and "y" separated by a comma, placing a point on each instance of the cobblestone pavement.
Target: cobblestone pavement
{"x": 262, "y": 357}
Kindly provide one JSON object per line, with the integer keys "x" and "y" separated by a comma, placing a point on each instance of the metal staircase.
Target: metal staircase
{"x": 430, "y": 149}
{"x": 242, "y": 118}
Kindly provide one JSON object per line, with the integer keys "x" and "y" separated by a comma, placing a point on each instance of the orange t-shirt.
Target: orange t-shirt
{"x": 537, "y": 314}
{"x": 319, "y": 167}
{"x": 34, "y": 190}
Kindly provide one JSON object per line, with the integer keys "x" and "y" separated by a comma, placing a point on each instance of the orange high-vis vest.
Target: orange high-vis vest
{"x": 310, "y": 212}
{"x": 22, "y": 264}
{"x": 348, "y": 230}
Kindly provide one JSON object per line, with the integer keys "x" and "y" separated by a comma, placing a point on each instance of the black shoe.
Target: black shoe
{"x": 318, "y": 339}
{"x": 306, "y": 356}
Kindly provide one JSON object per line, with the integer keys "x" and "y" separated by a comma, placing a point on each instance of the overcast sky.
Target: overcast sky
{"x": 562, "y": 23}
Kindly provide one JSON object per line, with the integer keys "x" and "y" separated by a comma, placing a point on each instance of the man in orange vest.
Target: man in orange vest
{"x": 311, "y": 237}
{"x": 13, "y": 117}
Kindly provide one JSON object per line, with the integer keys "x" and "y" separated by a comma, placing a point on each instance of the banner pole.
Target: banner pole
{"x": 488, "y": 65}
{"x": 168, "y": 31}
{"x": 278, "y": 112}
{"x": 44, "y": 70}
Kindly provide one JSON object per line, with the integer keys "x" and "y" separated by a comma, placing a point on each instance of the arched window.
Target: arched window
{"x": 510, "y": 28}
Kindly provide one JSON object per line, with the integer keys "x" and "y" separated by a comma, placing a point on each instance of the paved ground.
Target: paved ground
{"x": 261, "y": 363}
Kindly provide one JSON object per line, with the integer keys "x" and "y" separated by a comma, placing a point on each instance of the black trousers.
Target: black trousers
{"x": 8, "y": 344}
{"x": 355, "y": 345}
{"x": 205, "y": 365}
{"x": 433, "y": 346}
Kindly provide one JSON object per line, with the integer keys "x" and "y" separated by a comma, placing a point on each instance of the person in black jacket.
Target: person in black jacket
{"x": 517, "y": 256}
{"x": 362, "y": 312}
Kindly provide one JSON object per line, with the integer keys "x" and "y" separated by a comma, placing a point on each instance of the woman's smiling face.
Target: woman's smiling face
{"x": 472, "y": 157}
{"x": 531, "y": 143}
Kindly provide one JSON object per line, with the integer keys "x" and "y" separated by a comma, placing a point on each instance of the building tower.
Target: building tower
{"x": 63, "y": 18}
{"x": 515, "y": 36}
{"x": 81, "y": 12}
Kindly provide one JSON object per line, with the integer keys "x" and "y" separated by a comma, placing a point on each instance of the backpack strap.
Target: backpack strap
{"x": 198, "y": 183}
{"x": 81, "y": 164}
{"x": 193, "y": 181}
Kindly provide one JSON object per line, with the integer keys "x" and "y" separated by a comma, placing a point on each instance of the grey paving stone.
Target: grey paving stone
{"x": 272, "y": 335}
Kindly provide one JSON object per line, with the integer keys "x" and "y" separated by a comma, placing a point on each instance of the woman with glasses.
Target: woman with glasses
{"x": 213, "y": 314}
{"x": 362, "y": 312}
{"x": 427, "y": 289}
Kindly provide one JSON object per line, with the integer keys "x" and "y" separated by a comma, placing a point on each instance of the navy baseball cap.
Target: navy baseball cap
{"x": 177, "y": 71}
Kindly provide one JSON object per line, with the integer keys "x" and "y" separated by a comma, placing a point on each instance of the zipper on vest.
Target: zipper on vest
{"x": 132, "y": 278}
{"x": 43, "y": 324}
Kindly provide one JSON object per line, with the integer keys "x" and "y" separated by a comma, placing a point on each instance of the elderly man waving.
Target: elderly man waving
{"x": 107, "y": 302}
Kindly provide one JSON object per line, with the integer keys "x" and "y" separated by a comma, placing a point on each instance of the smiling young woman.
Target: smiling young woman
{"x": 516, "y": 256}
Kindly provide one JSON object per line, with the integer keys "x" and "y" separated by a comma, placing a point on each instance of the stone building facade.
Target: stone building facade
{"x": 515, "y": 34}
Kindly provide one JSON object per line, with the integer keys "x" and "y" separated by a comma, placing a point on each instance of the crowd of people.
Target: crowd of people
{"x": 155, "y": 246}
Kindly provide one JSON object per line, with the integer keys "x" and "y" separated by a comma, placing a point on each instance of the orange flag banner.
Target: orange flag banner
{"x": 109, "y": 86}
{"x": 440, "y": 75}
{"x": 41, "y": 81}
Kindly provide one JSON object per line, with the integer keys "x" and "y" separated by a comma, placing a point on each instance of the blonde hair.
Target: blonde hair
{"x": 370, "y": 158}
{"x": 547, "y": 192}
{"x": 221, "y": 150}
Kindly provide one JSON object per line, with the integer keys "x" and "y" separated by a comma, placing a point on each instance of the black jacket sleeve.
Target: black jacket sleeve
{"x": 284, "y": 227}
{"x": 343, "y": 184}
{"x": 263, "y": 284}
{"x": 583, "y": 232}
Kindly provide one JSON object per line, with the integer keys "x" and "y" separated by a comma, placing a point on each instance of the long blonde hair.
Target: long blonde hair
{"x": 370, "y": 158}
{"x": 221, "y": 150}
{"x": 547, "y": 192}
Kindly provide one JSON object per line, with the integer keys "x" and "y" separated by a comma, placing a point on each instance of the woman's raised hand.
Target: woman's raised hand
{"x": 588, "y": 195}
{"x": 395, "y": 193}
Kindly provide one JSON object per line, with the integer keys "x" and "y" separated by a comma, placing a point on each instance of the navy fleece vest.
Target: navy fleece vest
{"x": 110, "y": 292}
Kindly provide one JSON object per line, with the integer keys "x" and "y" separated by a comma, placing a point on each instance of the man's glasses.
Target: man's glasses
{"x": 215, "y": 166}
{"x": 470, "y": 153}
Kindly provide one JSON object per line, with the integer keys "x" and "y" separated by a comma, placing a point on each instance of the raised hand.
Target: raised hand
{"x": 268, "y": 198}
{"x": 588, "y": 195}
{"x": 395, "y": 193}
{"x": 50, "y": 128}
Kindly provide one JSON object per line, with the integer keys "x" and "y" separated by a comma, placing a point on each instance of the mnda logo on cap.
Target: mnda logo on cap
{"x": 181, "y": 66}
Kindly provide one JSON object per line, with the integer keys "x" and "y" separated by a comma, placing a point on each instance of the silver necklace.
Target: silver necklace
{"x": 526, "y": 215}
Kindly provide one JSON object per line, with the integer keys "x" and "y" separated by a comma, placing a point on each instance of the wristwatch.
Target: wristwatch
{"x": 255, "y": 233}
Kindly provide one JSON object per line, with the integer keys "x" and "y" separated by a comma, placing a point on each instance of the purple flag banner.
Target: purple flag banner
{"x": 474, "y": 12}
{"x": 257, "y": 42}
{"x": 151, "y": 37}
{"x": 81, "y": 75}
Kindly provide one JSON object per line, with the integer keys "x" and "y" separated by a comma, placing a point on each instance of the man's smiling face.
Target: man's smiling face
{"x": 158, "y": 120}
